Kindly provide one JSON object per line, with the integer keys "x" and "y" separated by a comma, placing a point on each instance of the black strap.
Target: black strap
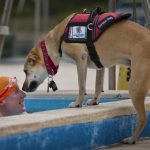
{"x": 90, "y": 45}
{"x": 60, "y": 50}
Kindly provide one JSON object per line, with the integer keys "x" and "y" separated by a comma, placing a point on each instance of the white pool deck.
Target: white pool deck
{"x": 67, "y": 82}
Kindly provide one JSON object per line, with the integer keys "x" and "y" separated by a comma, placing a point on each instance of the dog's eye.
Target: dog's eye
{"x": 31, "y": 62}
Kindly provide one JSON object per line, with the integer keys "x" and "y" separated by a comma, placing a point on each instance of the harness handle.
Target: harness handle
{"x": 95, "y": 11}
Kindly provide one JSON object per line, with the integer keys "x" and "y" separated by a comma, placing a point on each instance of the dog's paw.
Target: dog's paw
{"x": 129, "y": 140}
{"x": 74, "y": 105}
{"x": 92, "y": 102}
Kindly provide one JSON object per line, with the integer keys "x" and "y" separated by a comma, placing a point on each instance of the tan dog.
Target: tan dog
{"x": 124, "y": 43}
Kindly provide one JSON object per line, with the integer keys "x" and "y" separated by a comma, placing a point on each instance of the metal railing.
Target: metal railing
{"x": 4, "y": 23}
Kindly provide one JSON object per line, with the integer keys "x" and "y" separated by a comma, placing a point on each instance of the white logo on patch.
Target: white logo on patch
{"x": 109, "y": 19}
{"x": 78, "y": 32}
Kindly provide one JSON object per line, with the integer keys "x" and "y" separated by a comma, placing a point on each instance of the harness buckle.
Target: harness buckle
{"x": 90, "y": 26}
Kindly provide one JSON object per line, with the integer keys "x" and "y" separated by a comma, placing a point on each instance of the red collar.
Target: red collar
{"x": 50, "y": 66}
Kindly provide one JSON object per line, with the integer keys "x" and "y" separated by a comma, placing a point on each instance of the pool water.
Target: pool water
{"x": 43, "y": 104}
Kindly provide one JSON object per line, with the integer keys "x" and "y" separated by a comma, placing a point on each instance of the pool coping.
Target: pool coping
{"x": 54, "y": 118}
{"x": 69, "y": 93}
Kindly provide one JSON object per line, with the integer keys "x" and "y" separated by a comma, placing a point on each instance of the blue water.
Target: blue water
{"x": 42, "y": 104}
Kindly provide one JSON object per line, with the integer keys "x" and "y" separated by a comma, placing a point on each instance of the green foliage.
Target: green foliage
{"x": 56, "y": 7}
{"x": 62, "y": 9}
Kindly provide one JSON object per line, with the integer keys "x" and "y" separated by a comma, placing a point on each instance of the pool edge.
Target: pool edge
{"x": 54, "y": 118}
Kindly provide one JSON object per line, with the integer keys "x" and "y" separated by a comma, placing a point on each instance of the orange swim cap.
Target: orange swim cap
{"x": 7, "y": 86}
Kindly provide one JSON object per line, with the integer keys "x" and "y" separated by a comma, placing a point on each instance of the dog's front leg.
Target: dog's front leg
{"x": 82, "y": 72}
{"x": 98, "y": 87}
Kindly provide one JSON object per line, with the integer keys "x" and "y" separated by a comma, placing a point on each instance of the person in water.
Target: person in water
{"x": 11, "y": 97}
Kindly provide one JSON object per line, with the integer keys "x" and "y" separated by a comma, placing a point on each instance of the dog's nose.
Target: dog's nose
{"x": 25, "y": 88}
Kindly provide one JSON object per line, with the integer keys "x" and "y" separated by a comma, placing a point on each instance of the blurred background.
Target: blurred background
{"x": 31, "y": 19}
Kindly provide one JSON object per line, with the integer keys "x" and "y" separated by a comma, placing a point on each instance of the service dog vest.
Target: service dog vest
{"x": 88, "y": 27}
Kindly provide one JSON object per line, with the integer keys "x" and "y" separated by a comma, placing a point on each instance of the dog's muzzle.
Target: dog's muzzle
{"x": 32, "y": 87}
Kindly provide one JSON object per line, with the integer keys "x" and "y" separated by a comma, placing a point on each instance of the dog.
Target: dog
{"x": 125, "y": 43}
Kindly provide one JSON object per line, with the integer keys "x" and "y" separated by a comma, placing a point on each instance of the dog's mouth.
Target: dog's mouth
{"x": 32, "y": 87}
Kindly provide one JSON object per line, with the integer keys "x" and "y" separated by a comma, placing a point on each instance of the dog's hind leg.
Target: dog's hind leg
{"x": 98, "y": 87}
{"x": 138, "y": 88}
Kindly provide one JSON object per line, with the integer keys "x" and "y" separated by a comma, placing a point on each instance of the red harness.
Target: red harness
{"x": 50, "y": 66}
{"x": 98, "y": 24}
{"x": 87, "y": 28}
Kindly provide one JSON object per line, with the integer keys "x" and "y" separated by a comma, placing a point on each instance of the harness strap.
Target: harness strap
{"x": 61, "y": 40}
{"x": 90, "y": 45}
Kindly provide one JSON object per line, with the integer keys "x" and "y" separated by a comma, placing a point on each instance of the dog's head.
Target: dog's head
{"x": 34, "y": 69}
{"x": 34, "y": 66}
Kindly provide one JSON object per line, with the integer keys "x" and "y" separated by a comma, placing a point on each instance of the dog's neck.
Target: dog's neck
{"x": 53, "y": 40}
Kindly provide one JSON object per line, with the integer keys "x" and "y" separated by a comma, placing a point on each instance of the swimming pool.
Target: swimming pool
{"x": 43, "y": 104}
{"x": 85, "y": 128}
